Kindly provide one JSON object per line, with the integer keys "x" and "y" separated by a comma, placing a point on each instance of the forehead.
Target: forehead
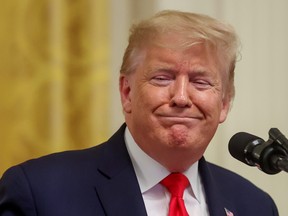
{"x": 179, "y": 43}
{"x": 170, "y": 52}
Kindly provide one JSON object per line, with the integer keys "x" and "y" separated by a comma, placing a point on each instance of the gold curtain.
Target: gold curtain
{"x": 53, "y": 77}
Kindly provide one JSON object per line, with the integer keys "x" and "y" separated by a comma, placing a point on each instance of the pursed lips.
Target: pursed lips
{"x": 179, "y": 117}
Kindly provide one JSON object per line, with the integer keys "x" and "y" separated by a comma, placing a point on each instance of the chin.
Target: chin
{"x": 178, "y": 136}
{"x": 178, "y": 142}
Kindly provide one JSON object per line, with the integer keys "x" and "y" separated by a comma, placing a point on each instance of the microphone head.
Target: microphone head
{"x": 240, "y": 144}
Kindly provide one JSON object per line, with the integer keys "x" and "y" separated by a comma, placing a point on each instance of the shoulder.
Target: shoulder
{"x": 71, "y": 164}
{"x": 227, "y": 179}
{"x": 77, "y": 161}
{"x": 51, "y": 169}
{"x": 240, "y": 191}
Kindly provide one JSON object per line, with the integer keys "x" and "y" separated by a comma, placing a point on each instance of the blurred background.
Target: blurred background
{"x": 59, "y": 66}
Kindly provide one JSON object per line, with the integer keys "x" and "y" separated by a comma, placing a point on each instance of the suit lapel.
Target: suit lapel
{"x": 117, "y": 186}
{"x": 216, "y": 202}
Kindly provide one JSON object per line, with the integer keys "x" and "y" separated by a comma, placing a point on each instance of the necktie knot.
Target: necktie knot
{"x": 175, "y": 183}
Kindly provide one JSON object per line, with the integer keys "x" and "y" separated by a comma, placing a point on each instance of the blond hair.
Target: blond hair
{"x": 192, "y": 28}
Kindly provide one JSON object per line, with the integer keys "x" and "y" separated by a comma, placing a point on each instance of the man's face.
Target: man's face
{"x": 174, "y": 102}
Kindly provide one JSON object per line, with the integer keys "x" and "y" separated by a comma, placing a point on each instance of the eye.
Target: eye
{"x": 201, "y": 83}
{"x": 161, "y": 80}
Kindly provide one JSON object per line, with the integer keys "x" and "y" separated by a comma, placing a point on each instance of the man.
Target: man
{"x": 176, "y": 86}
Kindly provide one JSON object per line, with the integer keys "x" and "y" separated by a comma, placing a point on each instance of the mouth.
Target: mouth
{"x": 180, "y": 119}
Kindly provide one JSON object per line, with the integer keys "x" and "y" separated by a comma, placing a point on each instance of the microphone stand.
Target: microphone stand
{"x": 279, "y": 143}
{"x": 281, "y": 163}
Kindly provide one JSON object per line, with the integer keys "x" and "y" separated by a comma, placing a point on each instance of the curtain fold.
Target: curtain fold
{"x": 53, "y": 77}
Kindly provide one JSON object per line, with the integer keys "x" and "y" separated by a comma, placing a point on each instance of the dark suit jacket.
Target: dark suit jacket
{"x": 101, "y": 181}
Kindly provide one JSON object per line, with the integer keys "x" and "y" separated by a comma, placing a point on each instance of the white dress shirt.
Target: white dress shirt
{"x": 156, "y": 197}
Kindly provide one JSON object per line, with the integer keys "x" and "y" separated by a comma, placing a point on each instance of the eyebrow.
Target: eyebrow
{"x": 162, "y": 67}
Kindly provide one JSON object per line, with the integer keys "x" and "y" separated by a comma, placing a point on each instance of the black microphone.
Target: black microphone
{"x": 268, "y": 156}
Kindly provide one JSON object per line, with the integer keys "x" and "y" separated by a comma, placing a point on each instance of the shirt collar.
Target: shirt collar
{"x": 149, "y": 172}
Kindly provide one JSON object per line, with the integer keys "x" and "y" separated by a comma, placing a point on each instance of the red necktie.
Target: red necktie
{"x": 176, "y": 184}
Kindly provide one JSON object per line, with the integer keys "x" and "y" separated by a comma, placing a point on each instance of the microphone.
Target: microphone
{"x": 270, "y": 156}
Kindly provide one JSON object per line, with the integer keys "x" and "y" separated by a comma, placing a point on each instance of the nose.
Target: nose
{"x": 180, "y": 93}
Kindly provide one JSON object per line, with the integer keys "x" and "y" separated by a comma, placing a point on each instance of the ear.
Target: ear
{"x": 225, "y": 109}
{"x": 125, "y": 93}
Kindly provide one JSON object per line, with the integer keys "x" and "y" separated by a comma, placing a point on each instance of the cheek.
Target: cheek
{"x": 211, "y": 105}
{"x": 152, "y": 97}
